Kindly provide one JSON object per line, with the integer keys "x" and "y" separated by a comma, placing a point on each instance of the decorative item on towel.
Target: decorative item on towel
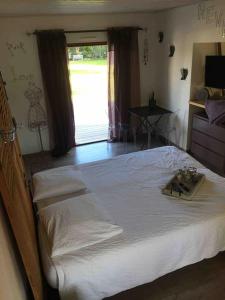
{"x": 184, "y": 184}
{"x": 215, "y": 110}
{"x": 37, "y": 119}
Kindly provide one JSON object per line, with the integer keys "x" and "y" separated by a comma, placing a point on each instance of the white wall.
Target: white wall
{"x": 19, "y": 67}
{"x": 11, "y": 283}
{"x": 183, "y": 27}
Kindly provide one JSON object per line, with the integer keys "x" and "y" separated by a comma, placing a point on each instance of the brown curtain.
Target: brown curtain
{"x": 52, "y": 48}
{"x": 124, "y": 76}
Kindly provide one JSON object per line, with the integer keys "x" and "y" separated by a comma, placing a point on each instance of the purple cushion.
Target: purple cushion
{"x": 215, "y": 110}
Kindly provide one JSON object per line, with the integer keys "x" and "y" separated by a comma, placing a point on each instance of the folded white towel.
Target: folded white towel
{"x": 57, "y": 182}
{"x": 76, "y": 223}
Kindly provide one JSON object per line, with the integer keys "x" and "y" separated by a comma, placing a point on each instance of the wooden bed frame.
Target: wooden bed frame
{"x": 16, "y": 200}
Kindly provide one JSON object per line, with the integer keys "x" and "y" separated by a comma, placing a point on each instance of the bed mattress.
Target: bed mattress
{"x": 160, "y": 234}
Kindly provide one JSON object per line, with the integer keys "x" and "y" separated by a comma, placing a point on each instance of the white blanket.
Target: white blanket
{"x": 160, "y": 233}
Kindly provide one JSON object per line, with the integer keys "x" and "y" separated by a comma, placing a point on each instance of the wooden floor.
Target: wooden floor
{"x": 81, "y": 154}
{"x": 202, "y": 281}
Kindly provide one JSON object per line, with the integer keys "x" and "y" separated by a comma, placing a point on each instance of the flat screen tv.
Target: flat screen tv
{"x": 215, "y": 72}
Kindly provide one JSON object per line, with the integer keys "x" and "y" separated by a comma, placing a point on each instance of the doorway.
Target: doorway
{"x": 89, "y": 83}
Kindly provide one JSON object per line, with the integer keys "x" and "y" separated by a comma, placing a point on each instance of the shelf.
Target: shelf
{"x": 198, "y": 103}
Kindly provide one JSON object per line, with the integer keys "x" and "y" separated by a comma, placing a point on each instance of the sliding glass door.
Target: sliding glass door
{"x": 89, "y": 82}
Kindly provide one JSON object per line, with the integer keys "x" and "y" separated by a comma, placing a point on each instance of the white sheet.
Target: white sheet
{"x": 76, "y": 223}
{"x": 161, "y": 234}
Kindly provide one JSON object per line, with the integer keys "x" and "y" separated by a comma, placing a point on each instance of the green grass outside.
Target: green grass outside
{"x": 85, "y": 72}
{"x": 97, "y": 62}
{"x": 95, "y": 68}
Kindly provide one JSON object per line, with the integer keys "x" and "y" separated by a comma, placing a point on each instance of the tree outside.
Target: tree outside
{"x": 88, "y": 52}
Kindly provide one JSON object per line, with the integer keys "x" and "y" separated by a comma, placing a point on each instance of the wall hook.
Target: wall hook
{"x": 172, "y": 50}
{"x": 184, "y": 73}
{"x": 161, "y": 36}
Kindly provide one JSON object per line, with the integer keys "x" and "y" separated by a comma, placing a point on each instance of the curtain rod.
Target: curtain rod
{"x": 82, "y": 31}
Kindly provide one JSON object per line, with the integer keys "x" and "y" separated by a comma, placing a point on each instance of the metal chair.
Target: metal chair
{"x": 122, "y": 131}
{"x": 169, "y": 130}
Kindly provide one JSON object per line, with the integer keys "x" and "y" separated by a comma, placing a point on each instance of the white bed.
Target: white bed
{"x": 160, "y": 234}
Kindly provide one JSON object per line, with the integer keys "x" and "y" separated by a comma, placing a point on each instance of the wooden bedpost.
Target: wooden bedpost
{"x": 15, "y": 196}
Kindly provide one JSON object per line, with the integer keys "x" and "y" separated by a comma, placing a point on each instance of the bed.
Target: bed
{"x": 160, "y": 234}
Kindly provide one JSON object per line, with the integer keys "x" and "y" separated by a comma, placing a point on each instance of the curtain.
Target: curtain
{"x": 124, "y": 76}
{"x": 52, "y": 48}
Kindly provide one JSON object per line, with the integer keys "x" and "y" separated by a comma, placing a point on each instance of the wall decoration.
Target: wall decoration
{"x": 210, "y": 14}
{"x": 161, "y": 36}
{"x": 15, "y": 47}
{"x": 184, "y": 73}
{"x": 37, "y": 119}
{"x": 145, "y": 48}
{"x": 171, "y": 50}
{"x": 20, "y": 77}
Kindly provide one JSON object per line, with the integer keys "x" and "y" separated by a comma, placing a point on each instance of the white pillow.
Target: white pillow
{"x": 57, "y": 182}
{"x": 76, "y": 223}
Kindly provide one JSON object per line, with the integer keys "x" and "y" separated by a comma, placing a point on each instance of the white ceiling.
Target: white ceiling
{"x": 48, "y": 7}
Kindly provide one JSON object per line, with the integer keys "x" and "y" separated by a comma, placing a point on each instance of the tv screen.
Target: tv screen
{"x": 215, "y": 72}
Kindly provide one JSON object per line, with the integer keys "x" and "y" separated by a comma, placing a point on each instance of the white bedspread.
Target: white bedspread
{"x": 160, "y": 234}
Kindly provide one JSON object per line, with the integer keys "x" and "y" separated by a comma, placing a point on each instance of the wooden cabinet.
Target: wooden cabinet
{"x": 208, "y": 143}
